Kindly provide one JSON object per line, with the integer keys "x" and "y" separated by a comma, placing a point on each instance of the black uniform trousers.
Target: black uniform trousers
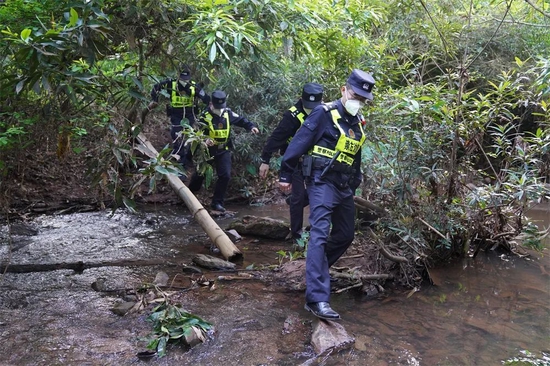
{"x": 332, "y": 216}
{"x": 222, "y": 163}
{"x": 298, "y": 200}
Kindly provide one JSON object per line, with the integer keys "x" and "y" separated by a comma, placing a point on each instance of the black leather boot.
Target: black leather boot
{"x": 322, "y": 310}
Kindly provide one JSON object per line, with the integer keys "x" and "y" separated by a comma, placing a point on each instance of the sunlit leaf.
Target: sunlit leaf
{"x": 212, "y": 55}
{"x": 25, "y": 34}
{"x": 73, "y": 18}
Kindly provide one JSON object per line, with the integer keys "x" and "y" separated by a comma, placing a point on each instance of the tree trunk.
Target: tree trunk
{"x": 79, "y": 266}
{"x": 216, "y": 234}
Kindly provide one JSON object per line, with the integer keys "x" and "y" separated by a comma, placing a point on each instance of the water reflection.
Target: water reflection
{"x": 481, "y": 311}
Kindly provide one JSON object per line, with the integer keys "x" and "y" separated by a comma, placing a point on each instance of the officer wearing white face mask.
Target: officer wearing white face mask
{"x": 330, "y": 141}
{"x": 218, "y": 120}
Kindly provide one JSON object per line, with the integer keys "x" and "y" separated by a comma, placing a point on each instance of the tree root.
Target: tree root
{"x": 385, "y": 252}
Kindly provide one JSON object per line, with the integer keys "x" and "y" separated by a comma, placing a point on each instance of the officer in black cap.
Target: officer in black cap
{"x": 330, "y": 142}
{"x": 312, "y": 96}
{"x": 218, "y": 120}
{"x": 185, "y": 95}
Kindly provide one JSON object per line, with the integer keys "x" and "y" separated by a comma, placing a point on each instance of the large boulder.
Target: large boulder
{"x": 329, "y": 337}
{"x": 261, "y": 226}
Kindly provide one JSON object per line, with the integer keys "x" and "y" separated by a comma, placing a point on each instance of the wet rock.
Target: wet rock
{"x": 370, "y": 289}
{"x": 190, "y": 269}
{"x": 330, "y": 337}
{"x": 130, "y": 297}
{"x": 122, "y": 308}
{"x": 195, "y": 337}
{"x": 210, "y": 262}
{"x": 99, "y": 285}
{"x": 361, "y": 343}
{"x": 261, "y": 226}
{"x": 23, "y": 229}
{"x": 296, "y": 333}
{"x": 233, "y": 235}
{"x": 292, "y": 275}
{"x": 161, "y": 279}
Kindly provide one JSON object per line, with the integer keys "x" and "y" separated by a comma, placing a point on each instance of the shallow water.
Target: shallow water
{"x": 480, "y": 312}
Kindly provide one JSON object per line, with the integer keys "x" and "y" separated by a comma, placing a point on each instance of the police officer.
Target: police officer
{"x": 183, "y": 108}
{"x": 331, "y": 139}
{"x": 312, "y": 96}
{"x": 218, "y": 120}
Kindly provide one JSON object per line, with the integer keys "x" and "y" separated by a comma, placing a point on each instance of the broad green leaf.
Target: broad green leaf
{"x": 212, "y": 55}
{"x": 19, "y": 86}
{"x": 162, "y": 170}
{"x": 161, "y": 347}
{"x": 25, "y": 34}
{"x": 130, "y": 204}
{"x": 73, "y": 18}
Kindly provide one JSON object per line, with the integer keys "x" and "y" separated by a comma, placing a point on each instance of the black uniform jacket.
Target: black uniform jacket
{"x": 287, "y": 127}
{"x": 220, "y": 122}
{"x": 318, "y": 127}
{"x": 182, "y": 90}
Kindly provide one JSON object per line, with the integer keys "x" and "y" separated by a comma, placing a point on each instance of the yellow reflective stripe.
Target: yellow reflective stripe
{"x": 328, "y": 153}
{"x": 363, "y": 137}
{"x": 344, "y": 158}
{"x": 215, "y": 133}
{"x": 301, "y": 117}
{"x": 323, "y": 151}
{"x": 346, "y": 144}
{"x": 179, "y": 101}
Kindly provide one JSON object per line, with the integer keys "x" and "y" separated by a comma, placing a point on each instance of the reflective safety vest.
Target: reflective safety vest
{"x": 301, "y": 116}
{"x": 219, "y": 133}
{"x": 348, "y": 143}
{"x": 180, "y": 101}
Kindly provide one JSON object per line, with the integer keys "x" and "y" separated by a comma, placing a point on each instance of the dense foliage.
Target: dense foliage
{"x": 458, "y": 135}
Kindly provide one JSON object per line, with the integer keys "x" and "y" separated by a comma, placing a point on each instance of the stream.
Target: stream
{"x": 480, "y": 311}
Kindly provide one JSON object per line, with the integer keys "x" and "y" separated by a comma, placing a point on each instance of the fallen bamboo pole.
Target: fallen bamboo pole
{"x": 199, "y": 213}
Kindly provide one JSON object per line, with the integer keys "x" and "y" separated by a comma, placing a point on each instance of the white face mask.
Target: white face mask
{"x": 352, "y": 105}
{"x": 217, "y": 112}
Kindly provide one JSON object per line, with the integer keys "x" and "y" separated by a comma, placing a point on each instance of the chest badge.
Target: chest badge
{"x": 220, "y": 126}
{"x": 351, "y": 133}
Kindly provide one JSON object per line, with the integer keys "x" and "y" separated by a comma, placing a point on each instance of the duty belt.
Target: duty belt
{"x": 321, "y": 163}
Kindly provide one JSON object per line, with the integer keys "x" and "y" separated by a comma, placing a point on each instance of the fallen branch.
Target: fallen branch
{"x": 367, "y": 205}
{"x": 433, "y": 229}
{"x": 80, "y": 266}
{"x": 353, "y": 256}
{"x": 234, "y": 278}
{"x": 375, "y": 277}
{"x": 360, "y": 284}
{"x": 360, "y": 276}
{"x": 503, "y": 234}
{"x": 385, "y": 252}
